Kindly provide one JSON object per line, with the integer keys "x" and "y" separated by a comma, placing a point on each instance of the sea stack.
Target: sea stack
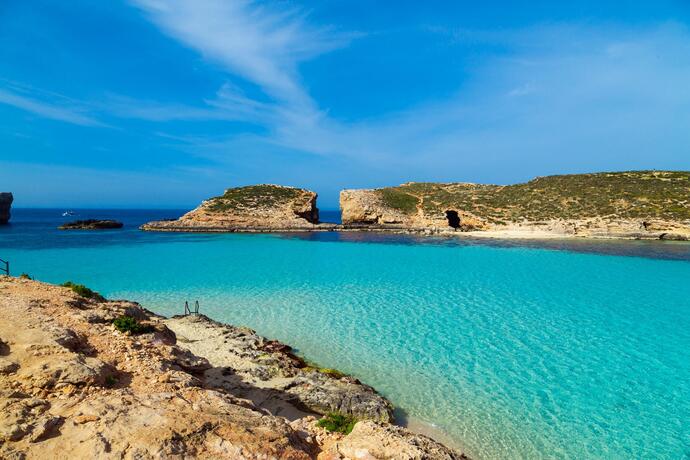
{"x": 253, "y": 208}
{"x": 6, "y": 199}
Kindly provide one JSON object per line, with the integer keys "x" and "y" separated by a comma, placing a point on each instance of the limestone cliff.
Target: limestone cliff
{"x": 257, "y": 208}
{"x": 90, "y": 378}
{"x": 5, "y": 205}
{"x": 636, "y": 204}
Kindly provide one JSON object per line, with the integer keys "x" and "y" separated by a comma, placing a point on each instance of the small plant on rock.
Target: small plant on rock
{"x": 335, "y": 373}
{"x": 24, "y": 276}
{"x": 83, "y": 291}
{"x": 337, "y": 423}
{"x": 129, "y": 324}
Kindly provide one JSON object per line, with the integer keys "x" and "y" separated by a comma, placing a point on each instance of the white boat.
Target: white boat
{"x": 67, "y": 213}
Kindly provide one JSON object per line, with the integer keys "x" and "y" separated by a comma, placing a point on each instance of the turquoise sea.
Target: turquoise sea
{"x": 533, "y": 350}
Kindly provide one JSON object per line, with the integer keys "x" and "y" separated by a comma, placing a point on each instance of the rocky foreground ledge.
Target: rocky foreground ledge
{"x": 73, "y": 385}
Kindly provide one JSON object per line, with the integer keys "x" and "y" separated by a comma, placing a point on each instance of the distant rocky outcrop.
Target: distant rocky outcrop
{"x": 254, "y": 208}
{"x": 91, "y": 224}
{"x": 90, "y": 378}
{"x": 6, "y": 199}
{"x": 635, "y": 204}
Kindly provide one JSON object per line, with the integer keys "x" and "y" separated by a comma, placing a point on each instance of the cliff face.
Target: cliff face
{"x": 73, "y": 386}
{"x": 5, "y": 205}
{"x": 252, "y": 208}
{"x": 644, "y": 204}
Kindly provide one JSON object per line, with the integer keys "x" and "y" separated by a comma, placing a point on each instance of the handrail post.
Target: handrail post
{"x": 196, "y": 307}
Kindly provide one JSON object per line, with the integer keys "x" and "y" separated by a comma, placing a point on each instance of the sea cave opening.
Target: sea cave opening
{"x": 453, "y": 219}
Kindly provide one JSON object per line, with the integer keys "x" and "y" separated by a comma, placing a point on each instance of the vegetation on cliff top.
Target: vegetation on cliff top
{"x": 634, "y": 194}
{"x": 254, "y": 196}
{"x": 83, "y": 291}
{"x": 129, "y": 324}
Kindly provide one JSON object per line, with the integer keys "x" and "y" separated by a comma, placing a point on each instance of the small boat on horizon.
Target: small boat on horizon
{"x": 68, "y": 213}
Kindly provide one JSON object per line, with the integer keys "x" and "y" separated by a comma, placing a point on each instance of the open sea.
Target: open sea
{"x": 527, "y": 349}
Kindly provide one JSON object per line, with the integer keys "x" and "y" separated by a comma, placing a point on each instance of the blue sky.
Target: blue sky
{"x": 162, "y": 103}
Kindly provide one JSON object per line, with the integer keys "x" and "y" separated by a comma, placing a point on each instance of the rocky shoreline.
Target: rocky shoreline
{"x": 84, "y": 377}
{"x": 545, "y": 230}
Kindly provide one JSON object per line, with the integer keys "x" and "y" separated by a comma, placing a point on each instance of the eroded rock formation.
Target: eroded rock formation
{"x": 6, "y": 199}
{"x": 637, "y": 204}
{"x": 73, "y": 386}
{"x": 254, "y": 208}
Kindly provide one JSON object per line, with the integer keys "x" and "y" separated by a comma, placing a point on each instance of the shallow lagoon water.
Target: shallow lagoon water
{"x": 553, "y": 349}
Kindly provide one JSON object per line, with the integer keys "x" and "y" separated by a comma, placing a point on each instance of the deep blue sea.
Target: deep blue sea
{"x": 552, "y": 349}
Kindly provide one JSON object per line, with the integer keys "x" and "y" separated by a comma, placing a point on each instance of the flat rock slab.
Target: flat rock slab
{"x": 91, "y": 224}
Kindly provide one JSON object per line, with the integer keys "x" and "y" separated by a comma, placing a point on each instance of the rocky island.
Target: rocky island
{"x": 6, "y": 199}
{"x": 254, "y": 208}
{"x": 91, "y": 224}
{"x": 635, "y": 204}
{"x": 84, "y": 377}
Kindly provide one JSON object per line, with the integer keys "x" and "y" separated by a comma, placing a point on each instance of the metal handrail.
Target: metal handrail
{"x": 188, "y": 311}
{"x": 7, "y": 267}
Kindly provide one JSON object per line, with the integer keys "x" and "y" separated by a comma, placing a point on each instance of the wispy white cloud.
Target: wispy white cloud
{"x": 55, "y": 107}
{"x": 604, "y": 98}
{"x": 261, "y": 43}
{"x": 619, "y": 94}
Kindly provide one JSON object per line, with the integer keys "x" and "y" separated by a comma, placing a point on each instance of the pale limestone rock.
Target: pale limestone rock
{"x": 374, "y": 441}
{"x": 84, "y": 390}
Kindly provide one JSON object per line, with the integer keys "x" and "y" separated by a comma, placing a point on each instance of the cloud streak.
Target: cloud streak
{"x": 557, "y": 98}
{"x": 263, "y": 45}
{"x": 60, "y": 109}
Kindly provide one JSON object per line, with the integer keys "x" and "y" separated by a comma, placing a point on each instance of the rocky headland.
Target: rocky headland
{"x": 639, "y": 205}
{"x": 84, "y": 377}
{"x": 254, "y": 208}
{"x": 90, "y": 224}
{"x": 6, "y": 199}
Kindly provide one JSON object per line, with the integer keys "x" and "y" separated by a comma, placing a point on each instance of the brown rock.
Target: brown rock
{"x": 81, "y": 419}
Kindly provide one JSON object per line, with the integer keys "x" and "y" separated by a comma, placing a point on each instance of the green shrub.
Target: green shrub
{"x": 128, "y": 324}
{"x": 83, "y": 291}
{"x": 337, "y": 423}
{"x": 311, "y": 367}
{"x": 25, "y": 276}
